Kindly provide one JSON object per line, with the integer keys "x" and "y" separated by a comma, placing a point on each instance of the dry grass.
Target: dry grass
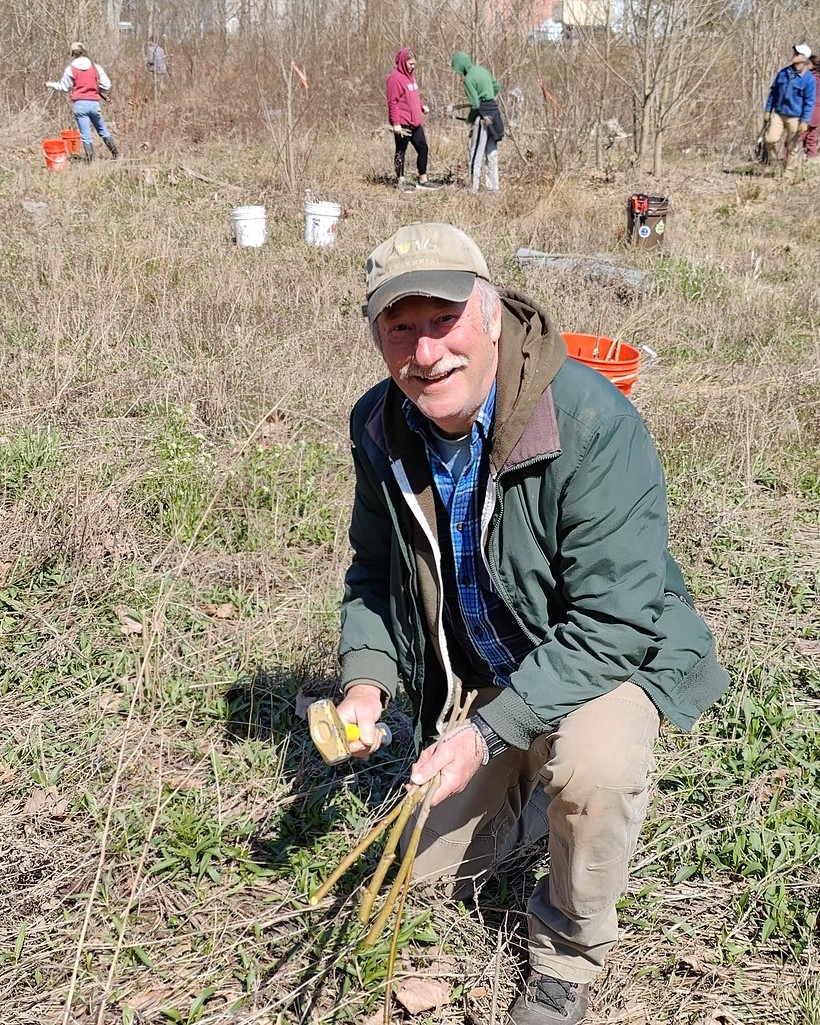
{"x": 174, "y": 487}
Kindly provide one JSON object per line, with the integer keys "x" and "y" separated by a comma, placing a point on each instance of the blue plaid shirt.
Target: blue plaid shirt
{"x": 478, "y": 619}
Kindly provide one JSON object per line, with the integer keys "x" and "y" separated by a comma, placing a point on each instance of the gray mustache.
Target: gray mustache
{"x": 438, "y": 369}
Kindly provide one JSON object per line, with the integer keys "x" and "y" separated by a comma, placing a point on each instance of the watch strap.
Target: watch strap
{"x": 495, "y": 744}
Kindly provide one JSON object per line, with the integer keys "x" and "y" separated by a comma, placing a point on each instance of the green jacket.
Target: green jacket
{"x": 479, "y": 84}
{"x": 575, "y": 542}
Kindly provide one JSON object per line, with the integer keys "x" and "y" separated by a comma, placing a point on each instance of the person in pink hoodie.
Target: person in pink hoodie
{"x": 406, "y": 113}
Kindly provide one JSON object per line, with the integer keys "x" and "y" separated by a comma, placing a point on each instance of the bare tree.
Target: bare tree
{"x": 673, "y": 46}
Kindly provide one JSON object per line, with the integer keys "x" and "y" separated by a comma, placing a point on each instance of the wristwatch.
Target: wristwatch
{"x": 495, "y": 745}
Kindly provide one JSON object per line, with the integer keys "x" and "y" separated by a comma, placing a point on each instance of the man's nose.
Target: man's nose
{"x": 429, "y": 348}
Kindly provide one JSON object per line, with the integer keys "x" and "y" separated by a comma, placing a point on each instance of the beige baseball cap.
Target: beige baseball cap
{"x": 422, "y": 259}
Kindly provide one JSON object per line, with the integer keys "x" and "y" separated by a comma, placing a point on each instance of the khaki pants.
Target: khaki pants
{"x": 779, "y": 127}
{"x": 585, "y": 785}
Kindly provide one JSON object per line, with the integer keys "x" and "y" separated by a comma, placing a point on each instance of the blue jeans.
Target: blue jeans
{"x": 86, "y": 114}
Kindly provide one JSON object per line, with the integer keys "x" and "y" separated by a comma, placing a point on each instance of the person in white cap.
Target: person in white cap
{"x": 789, "y": 104}
{"x": 87, "y": 83}
{"x": 509, "y": 535}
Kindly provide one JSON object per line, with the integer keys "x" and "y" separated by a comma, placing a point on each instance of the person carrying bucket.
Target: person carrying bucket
{"x": 509, "y": 535}
{"x": 406, "y": 113}
{"x": 87, "y": 83}
{"x": 481, "y": 88}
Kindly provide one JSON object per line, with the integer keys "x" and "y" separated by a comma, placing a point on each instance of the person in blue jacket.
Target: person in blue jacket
{"x": 790, "y": 103}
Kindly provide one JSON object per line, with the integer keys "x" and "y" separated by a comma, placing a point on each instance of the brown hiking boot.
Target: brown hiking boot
{"x": 549, "y": 1001}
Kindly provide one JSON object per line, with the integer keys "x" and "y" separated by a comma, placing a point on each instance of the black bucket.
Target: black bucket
{"x": 646, "y": 218}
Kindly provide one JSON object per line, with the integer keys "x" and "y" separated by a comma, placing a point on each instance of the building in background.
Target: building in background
{"x": 558, "y": 19}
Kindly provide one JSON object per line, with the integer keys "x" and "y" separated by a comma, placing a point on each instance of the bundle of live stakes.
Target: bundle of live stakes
{"x": 416, "y": 797}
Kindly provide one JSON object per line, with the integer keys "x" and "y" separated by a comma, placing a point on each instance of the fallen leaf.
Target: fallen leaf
{"x": 38, "y": 799}
{"x": 128, "y": 624}
{"x": 60, "y": 810}
{"x": 723, "y": 1016}
{"x": 225, "y": 611}
{"x": 478, "y": 993}
{"x": 6, "y": 774}
{"x": 46, "y": 802}
{"x": 416, "y": 995}
{"x": 109, "y": 702}
{"x": 5, "y": 569}
{"x": 695, "y": 965}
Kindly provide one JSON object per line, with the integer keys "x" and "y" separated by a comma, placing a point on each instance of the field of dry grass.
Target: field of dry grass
{"x": 174, "y": 493}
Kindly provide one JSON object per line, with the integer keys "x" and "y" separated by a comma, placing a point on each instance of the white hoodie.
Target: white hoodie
{"x": 66, "y": 83}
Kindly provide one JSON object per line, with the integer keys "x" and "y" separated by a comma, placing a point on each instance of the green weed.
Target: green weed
{"x": 28, "y": 461}
{"x": 176, "y": 491}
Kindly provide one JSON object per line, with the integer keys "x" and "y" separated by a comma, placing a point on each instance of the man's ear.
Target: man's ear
{"x": 495, "y": 328}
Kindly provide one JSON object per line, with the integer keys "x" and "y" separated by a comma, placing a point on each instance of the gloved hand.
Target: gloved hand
{"x": 53, "y": 85}
{"x": 767, "y": 117}
{"x": 802, "y": 128}
{"x": 400, "y": 131}
{"x": 425, "y": 109}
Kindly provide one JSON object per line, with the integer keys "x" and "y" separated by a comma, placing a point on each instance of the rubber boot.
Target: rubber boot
{"x": 112, "y": 146}
{"x": 88, "y": 152}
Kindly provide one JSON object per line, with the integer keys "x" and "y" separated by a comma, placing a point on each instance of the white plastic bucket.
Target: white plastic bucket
{"x": 320, "y": 223}
{"x": 248, "y": 224}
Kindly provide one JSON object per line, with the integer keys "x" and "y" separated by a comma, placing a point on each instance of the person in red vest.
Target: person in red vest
{"x": 87, "y": 84}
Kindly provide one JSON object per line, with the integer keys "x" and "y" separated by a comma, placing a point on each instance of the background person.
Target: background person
{"x": 509, "y": 529}
{"x": 789, "y": 104}
{"x": 156, "y": 61}
{"x": 481, "y": 88}
{"x": 86, "y": 82}
{"x": 810, "y": 138}
{"x": 406, "y": 113}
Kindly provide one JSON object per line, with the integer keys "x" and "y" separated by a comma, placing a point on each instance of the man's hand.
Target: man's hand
{"x": 802, "y": 128}
{"x": 457, "y": 756}
{"x": 400, "y": 131}
{"x": 362, "y": 705}
{"x": 767, "y": 116}
{"x": 425, "y": 109}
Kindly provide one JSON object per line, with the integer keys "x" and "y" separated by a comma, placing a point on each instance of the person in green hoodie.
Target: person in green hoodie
{"x": 509, "y": 536}
{"x": 481, "y": 88}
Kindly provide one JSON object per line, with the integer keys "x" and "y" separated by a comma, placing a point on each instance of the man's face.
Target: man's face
{"x": 440, "y": 355}
{"x": 799, "y": 62}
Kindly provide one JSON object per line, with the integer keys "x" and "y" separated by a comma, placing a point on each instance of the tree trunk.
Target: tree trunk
{"x": 113, "y": 10}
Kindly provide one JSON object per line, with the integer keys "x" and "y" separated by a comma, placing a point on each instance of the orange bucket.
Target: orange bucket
{"x": 593, "y": 350}
{"x": 73, "y": 143}
{"x": 56, "y": 154}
